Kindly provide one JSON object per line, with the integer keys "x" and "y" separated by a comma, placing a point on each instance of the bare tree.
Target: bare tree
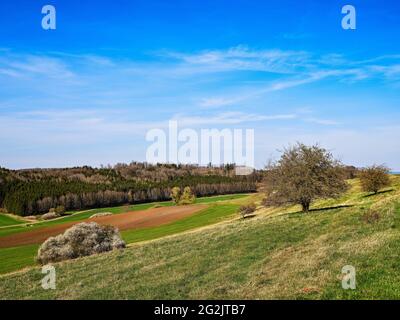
{"x": 303, "y": 174}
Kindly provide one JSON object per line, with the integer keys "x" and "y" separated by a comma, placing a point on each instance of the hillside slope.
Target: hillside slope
{"x": 281, "y": 253}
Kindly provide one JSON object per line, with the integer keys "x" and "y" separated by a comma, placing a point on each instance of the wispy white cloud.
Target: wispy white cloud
{"x": 390, "y": 72}
{"x": 36, "y": 65}
{"x": 325, "y": 122}
{"x": 354, "y": 146}
{"x": 227, "y": 118}
{"x": 242, "y": 58}
{"x": 216, "y": 102}
{"x": 296, "y": 35}
{"x": 72, "y": 99}
{"x": 10, "y": 73}
{"x": 75, "y": 126}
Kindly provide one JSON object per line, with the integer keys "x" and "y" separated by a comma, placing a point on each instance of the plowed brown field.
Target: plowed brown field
{"x": 123, "y": 221}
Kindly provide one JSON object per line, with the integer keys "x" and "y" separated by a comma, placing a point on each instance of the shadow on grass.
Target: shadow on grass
{"x": 332, "y": 208}
{"x": 380, "y": 192}
{"x": 249, "y": 216}
{"x": 321, "y": 209}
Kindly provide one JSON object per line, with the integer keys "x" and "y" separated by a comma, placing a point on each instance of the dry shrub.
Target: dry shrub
{"x": 176, "y": 194}
{"x": 374, "y": 178}
{"x": 182, "y": 198}
{"x": 187, "y": 197}
{"x": 371, "y": 216}
{"x": 50, "y": 215}
{"x": 31, "y": 217}
{"x": 83, "y": 239}
{"x": 60, "y": 210}
{"x": 247, "y": 209}
{"x": 100, "y": 214}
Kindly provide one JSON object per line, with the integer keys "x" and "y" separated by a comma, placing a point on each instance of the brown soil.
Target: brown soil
{"x": 130, "y": 220}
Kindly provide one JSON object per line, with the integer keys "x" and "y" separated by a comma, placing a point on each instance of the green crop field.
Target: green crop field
{"x": 220, "y": 198}
{"x": 16, "y": 258}
{"x": 6, "y": 220}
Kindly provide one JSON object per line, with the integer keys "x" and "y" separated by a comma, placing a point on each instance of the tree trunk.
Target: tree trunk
{"x": 306, "y": 206}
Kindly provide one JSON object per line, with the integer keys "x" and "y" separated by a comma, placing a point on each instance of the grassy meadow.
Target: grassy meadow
{"x": 7, "y": 220}
{"x": 279, "y": 254}
{"x": 221, "y": 207}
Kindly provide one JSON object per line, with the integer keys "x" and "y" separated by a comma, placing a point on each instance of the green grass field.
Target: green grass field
{"x": 6, "y": 220}
{"x": 220, "y": 198}
{"x": 16, "y": 258}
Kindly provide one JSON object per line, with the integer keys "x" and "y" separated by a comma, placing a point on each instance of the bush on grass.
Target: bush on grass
{"x": 50, "y": 215}
{"x": 83, "y": 239}
{"x": 246, "y": 210}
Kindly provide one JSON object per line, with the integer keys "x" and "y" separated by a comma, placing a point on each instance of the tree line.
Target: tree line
{"x": 35, "y": 191}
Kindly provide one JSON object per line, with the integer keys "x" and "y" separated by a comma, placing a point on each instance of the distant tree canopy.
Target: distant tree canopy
{"x": 303, "y": 174}
{"x": 374, "y": 178}
{"x": 35, "y": 191}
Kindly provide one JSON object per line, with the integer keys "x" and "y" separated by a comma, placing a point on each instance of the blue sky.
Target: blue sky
{"x": 87, "y": 92}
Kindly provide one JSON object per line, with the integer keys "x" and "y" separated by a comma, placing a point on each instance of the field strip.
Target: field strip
{"x": 33, "y": 222}
{"x": 202, "y": 200}
{"x": 123, "y": 221}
